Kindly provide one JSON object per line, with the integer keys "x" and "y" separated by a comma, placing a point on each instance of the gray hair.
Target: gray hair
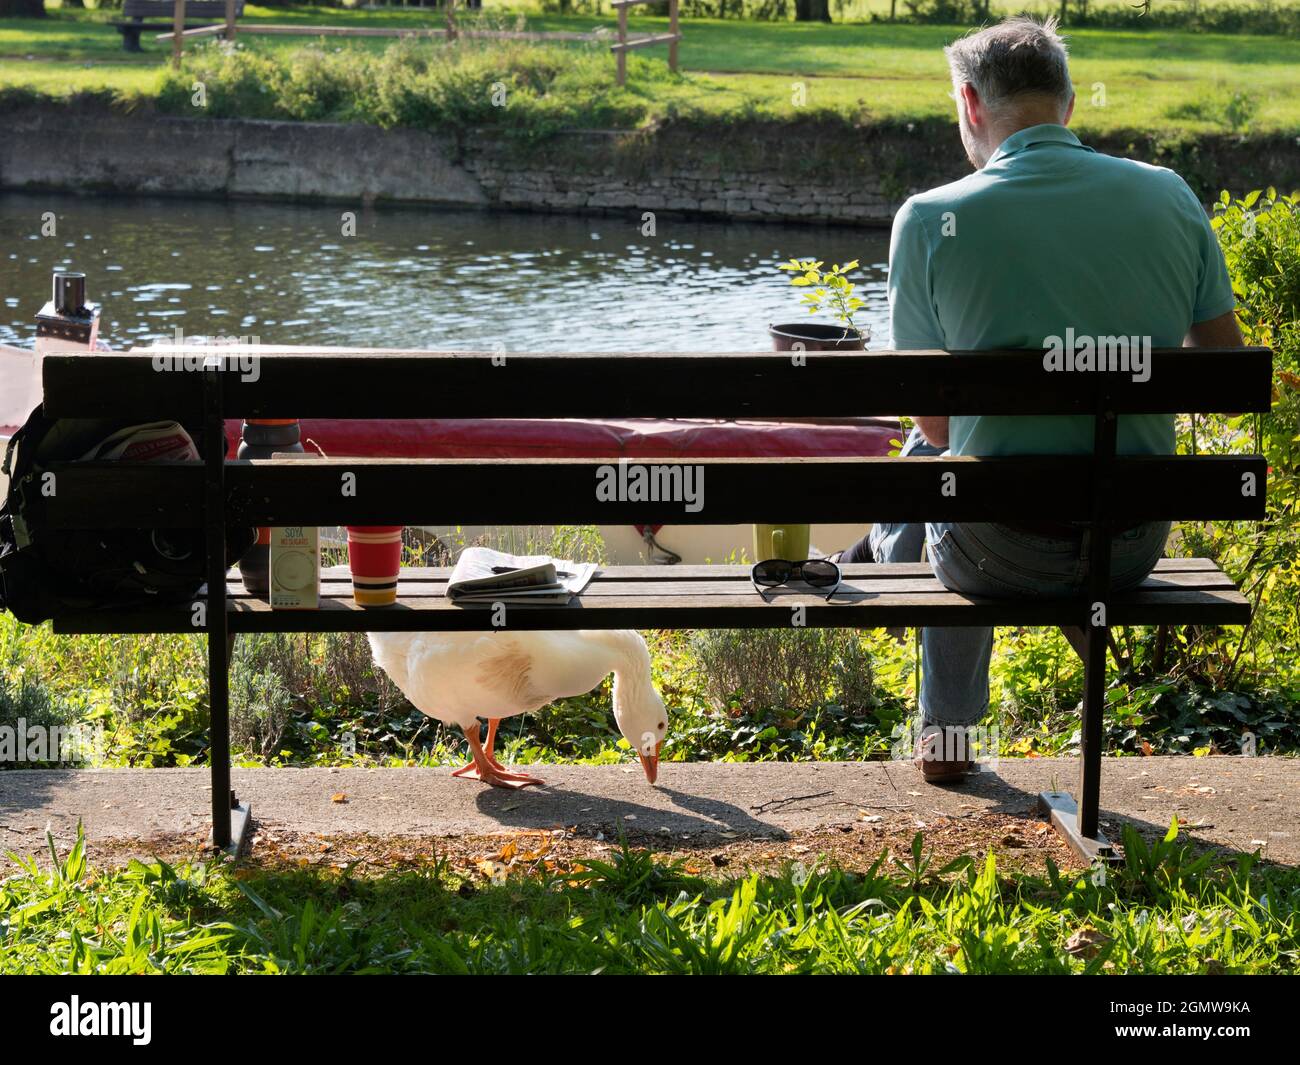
{"x": 1019, "y": 57}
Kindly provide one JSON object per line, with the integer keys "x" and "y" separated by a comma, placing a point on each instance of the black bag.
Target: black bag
{"x": 45, "y": 573}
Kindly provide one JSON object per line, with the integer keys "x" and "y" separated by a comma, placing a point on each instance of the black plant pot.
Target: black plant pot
{"x": 815, "y": 336}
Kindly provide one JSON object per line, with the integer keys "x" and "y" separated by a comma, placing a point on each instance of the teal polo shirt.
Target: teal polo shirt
{"x": 1051, "y": 236}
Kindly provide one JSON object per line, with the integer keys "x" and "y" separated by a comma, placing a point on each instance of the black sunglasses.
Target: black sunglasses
{"x": 817, "y": 572}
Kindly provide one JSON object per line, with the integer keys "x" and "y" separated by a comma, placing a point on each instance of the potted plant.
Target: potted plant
{"x": 826, "y": 290}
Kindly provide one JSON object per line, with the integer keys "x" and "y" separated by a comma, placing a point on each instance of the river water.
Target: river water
{"x": 469, "y": 280}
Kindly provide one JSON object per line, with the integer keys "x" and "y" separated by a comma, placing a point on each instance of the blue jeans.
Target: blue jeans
{"x": 1001, "y": 563}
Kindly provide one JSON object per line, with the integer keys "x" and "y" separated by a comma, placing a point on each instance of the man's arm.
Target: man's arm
{"x": 1220, "y": 332}
{"x": 934, "y": 427}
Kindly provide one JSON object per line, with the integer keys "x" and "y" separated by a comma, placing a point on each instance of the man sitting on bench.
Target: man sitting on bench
{"x": 1048, "y": 244}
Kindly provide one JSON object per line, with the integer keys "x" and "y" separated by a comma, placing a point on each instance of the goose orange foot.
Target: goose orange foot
{"x": 486, "y": 768}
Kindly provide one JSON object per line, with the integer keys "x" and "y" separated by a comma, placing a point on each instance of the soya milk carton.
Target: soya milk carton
{"x": 295, "y": 567}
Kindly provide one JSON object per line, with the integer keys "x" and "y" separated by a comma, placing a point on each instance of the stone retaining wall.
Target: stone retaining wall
{"x": 765, "y": 172}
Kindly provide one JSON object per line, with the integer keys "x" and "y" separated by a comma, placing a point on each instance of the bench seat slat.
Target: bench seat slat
{"x": 887, "y": 586}
{"x": 729, "y": 571}
{"x": 859, "y": 571}
{"x": 1184, "y": 597}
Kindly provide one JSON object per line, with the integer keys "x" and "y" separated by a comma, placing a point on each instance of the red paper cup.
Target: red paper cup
{"x": 375, "y": 557}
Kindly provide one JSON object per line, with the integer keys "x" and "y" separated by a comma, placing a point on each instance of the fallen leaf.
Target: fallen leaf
{"x": 338, "y": 796}
{"x": 1086, "y": 943}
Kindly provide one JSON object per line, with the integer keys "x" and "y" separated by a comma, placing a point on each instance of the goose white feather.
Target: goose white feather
{"x": 459, "y": 677}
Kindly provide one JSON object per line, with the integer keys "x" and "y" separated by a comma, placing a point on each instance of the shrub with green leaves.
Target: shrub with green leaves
{"x": 1260, "y": 238}
{"x": 792, "y": 670}
{"x": 524, "y": 87}
{"x": 261, "y": 703}
{"x": 25, "y": 706}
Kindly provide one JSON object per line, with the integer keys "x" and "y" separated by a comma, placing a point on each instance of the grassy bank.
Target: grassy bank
{"x": 1171, "y": 81}
{"x": 531, "y": 910}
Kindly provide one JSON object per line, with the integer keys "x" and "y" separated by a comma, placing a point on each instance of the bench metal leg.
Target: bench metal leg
{"x": 130, "y": 35}
{"x": 230, "y": 817}
{"x": 1078, "y": 823}
{"x": 228, "y": 832}
{"x": 1060, "y": 810}
{"x": 1090, "y": 730}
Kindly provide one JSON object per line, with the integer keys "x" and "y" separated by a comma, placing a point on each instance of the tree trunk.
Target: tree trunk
{"x": 812, "y": 10}
{"x": 22, "y": 8}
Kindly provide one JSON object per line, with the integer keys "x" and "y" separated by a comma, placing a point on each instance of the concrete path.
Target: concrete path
{"x": 1235, "y": 802}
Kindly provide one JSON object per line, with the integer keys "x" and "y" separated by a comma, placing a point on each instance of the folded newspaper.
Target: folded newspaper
{"x": 486, "y": 576}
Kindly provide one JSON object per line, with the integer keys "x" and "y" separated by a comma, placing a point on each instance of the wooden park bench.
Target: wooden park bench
{"x": 1100, "y": 491}
{"x": 197, "y": 13}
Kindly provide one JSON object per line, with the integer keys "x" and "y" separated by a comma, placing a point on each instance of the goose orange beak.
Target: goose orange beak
{"x": 650, "y": 763}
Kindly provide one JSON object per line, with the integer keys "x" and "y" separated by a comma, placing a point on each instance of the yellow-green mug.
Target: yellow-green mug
{"x": 789, "y": 542}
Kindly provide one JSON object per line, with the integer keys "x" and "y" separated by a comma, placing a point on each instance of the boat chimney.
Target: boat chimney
{"x": 67, "y": 323}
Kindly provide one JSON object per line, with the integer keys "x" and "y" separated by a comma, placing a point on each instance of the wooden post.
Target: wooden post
{"x": 672, "y": 28}
{"x": 451, "y": 20}
{"x": 178, "y": 32}
{"x": 230, "y": 20}
{"x": 622, "y": 52}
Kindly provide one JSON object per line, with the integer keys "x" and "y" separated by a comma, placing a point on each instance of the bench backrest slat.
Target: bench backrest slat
{"x": 394, "y": 385}
{"x": 503, "y": 492}
{"x": 194, "y": 9}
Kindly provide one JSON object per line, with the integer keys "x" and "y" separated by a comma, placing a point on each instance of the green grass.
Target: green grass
{"x": 1165, "y": 81}
{"x": 1165, "y": 911}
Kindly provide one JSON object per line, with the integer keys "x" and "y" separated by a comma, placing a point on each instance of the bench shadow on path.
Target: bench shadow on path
{"x": 23, "y": 790}
{"x": 556, "y": 805}
{"x": 1014, "y": 801}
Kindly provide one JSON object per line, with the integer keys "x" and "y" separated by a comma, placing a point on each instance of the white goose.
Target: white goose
{"x": 458, "y": 677}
